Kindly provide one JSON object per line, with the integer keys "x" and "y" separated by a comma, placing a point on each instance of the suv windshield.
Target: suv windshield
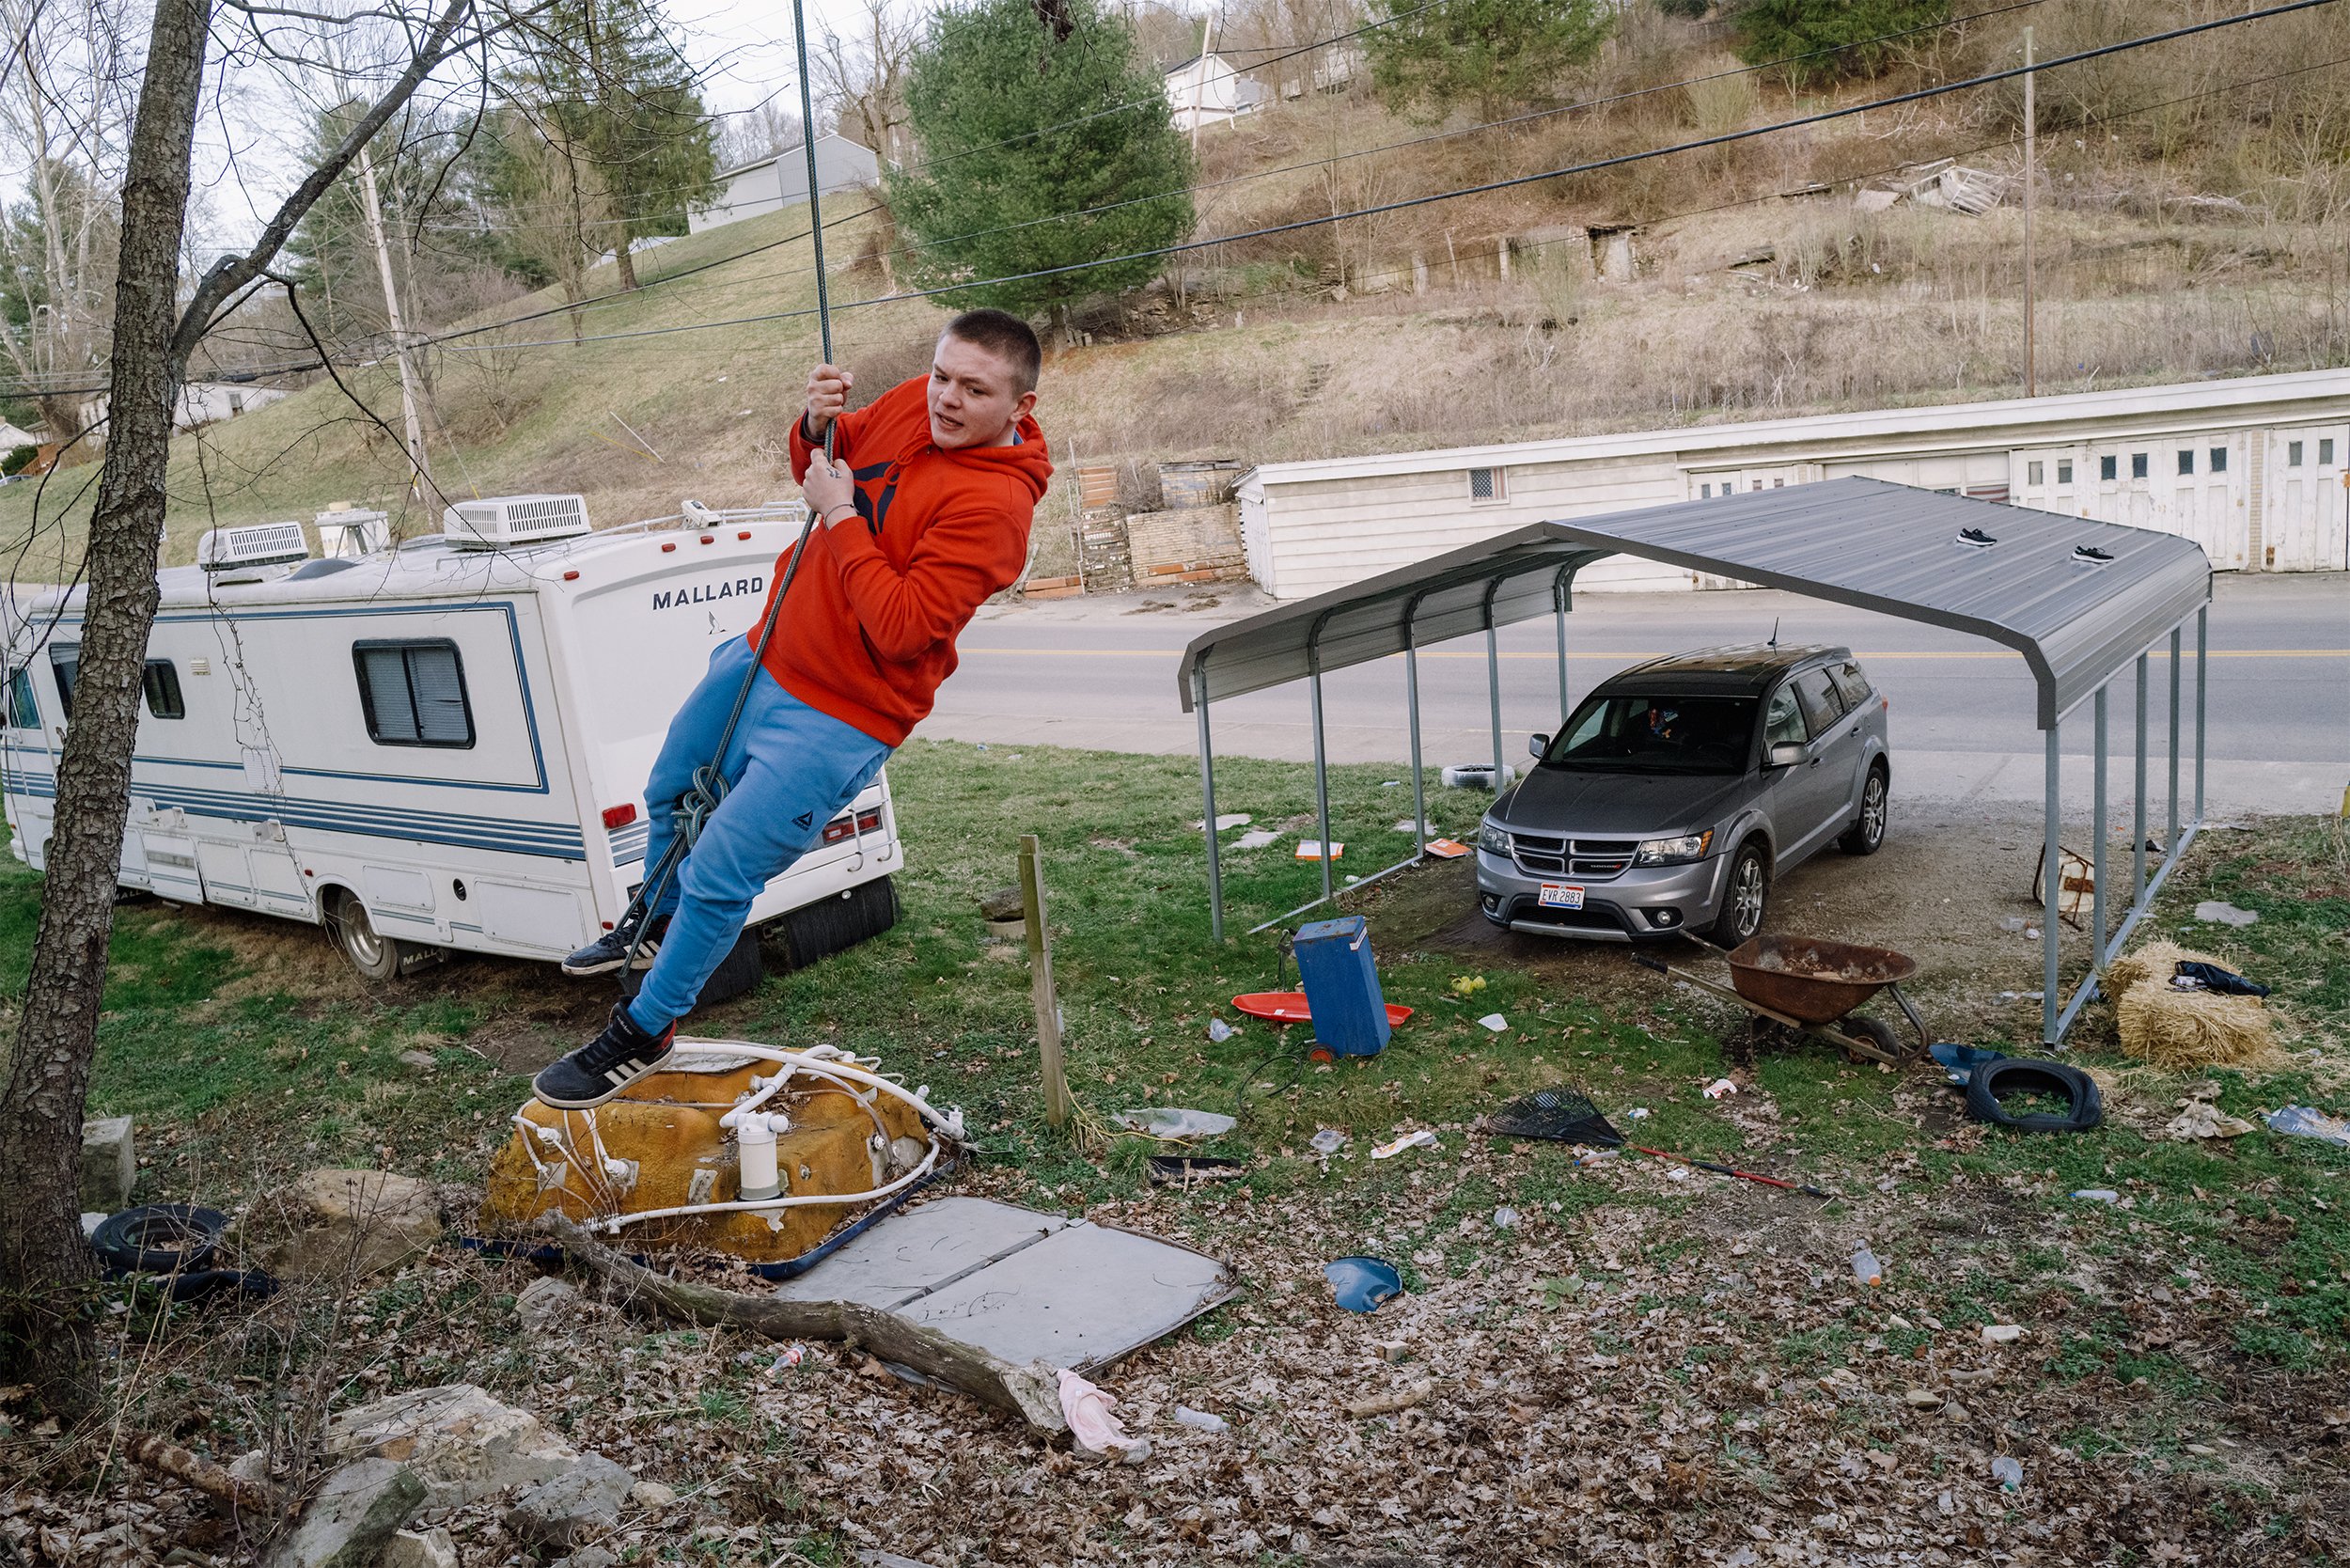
{"x": 1624, "y": 733}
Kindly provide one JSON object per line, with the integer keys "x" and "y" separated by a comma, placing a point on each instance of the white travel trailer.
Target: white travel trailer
{"x": 438, "y": 747}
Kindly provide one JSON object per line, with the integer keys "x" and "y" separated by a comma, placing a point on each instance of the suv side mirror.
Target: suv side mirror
{"x": 1786, "y": 754}
{"x": 1537, "y": 745}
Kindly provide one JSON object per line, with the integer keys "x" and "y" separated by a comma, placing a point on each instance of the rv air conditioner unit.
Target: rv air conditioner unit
{"x": 503, "y": 522}
{"x": 261, "y": 545}
{"x": 348, "y": 534}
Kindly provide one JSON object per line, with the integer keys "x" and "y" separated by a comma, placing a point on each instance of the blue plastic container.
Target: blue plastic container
{"x": 1343, "y": 987}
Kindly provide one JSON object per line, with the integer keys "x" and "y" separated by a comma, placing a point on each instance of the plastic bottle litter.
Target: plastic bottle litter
{"x": 1637, "y": 1113}
{"x": 1865, "y": 1266}
{"x": 2098, "y": 1195}
{"x": 2303, "y": 1121}
{"x": 1218, "y": 1030}
{"x": 1719, "y": 1088}
{"x": 2007, "y": 1473}
{"x": 1505, "y": 1219}
{"x": 1328, "y": 1141}
{"x": 1186, "y": 1416}
{"x": 2012, "y": 923}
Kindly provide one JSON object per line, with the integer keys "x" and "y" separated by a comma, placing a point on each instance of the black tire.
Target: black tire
{"x": 835, "y": 925}
{"x": 1867, "y": 834}
{"x": 375, "y": 955}
{"x": 738, "y": 974}
{"x": 2012, "y": 1076}
{"x": 1746, "y": 897}
{"x": 159, "y": 1238}
{"x": 1877, "y": 1034}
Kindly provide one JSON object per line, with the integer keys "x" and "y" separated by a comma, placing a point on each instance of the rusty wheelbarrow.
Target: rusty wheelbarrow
{"x": 1813, "y": 986}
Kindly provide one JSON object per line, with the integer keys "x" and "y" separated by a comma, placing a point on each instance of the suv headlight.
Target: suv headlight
{"x": 1673, "y": 852}
{"x": 1491, "y": 839}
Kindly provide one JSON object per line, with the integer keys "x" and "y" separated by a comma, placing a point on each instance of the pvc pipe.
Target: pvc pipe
{"x": 794, "y": 1201}
{"x": 825, "y": 1059}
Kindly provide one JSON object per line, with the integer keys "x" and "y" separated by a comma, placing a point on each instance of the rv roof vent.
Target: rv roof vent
{"x": 261, "y": 545}
{"x": 350, "y": 532}
{"x": 502, "y": 522}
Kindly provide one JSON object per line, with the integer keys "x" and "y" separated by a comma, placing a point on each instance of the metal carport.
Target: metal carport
{"x": 2082, "y": 602}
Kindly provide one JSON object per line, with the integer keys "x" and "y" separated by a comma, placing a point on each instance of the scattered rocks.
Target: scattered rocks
{"x": 651, "y": 1495}
{"x": 1924, "y": 1399}
{"x": 431, "y": 1548}
{"x": 546, "y": 1303}
{"x": 578, "y": 1506}
{"x": 586, "y": 1556}
{"x": 336, "y": 1223}
{"x": 463, "y": 1444}
{"x": 351, "y": 1520}
{"x": 1004, "y": 903}
{"x": 110, "y": 1166}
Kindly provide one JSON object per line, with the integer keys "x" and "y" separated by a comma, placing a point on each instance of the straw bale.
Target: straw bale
{"x": 2152, "y": 960}
{"x": 2182, "y": 1030}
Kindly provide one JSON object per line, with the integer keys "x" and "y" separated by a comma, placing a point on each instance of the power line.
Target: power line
{"x": 1619, "y": 160}
{"x": 617, "y": 295}
{"x": 908, "y": 250}
{"x": 1187, "y": 246}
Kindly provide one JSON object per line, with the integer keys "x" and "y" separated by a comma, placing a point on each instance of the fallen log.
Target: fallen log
{"x": 1032, "y": 1392}
{"x": 213, "y": 1480}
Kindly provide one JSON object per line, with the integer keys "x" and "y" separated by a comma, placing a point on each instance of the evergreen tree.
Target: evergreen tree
{"x": 984, "y": 82}
{"x": 1784, "y": 29}
{"x": 616, "y": 91}
{"x": 1499, "y": 53}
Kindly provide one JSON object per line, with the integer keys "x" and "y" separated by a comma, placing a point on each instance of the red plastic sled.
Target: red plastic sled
{"x": 1289, "y": 1007}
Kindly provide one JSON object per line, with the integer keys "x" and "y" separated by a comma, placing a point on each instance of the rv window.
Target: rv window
{"x": 65, "y": 663}
{"x": 413, "y": 693}
{"x": 161, "y": 683}
{"x": 23, "y": 714}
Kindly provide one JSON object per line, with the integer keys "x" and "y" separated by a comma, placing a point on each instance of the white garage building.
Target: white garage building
{"x": 2252, "y": 469}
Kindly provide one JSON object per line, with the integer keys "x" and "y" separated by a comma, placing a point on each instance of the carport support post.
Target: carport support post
{"x": 2171, "y": 795}
{"x": 2138, "y": 814}
{"x": 1493, "y": 690}
{"x": 2051, "y": 881}
{"x": 1411, "y": 707}
{"x": 1564, "y": 706}
{"x": 2097, "y": 853}
{"x": 1207, "y": 800}
{"x": 2202, "y": 685}
{"x": 1322, "y": 767}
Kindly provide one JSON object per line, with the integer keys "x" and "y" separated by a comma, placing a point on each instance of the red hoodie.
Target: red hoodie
{"x": 873, "y": 616}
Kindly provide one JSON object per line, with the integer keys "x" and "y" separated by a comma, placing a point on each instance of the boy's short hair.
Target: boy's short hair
{"x": 1008, "y": 338}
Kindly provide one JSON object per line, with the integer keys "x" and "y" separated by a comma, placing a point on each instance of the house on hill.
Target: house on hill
{"x": 781, "y": 179}
{"x": 1209, "y": 89}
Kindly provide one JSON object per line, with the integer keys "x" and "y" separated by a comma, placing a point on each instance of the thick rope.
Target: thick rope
{"x": 694, "y": 807}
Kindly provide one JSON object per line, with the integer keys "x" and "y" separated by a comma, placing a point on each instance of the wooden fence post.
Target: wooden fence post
{"x": 1041, "y": 983}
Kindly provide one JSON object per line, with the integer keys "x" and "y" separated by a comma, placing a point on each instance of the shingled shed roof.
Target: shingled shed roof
{"x": 2039, "y": 587}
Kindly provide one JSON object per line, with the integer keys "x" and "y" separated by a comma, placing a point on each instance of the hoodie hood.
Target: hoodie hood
{"x": 1026, "y": 461}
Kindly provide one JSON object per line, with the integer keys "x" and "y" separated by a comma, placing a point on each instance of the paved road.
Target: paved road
{"x": 1101, "y": 673}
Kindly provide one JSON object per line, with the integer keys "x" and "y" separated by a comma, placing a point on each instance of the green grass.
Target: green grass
{"x": 245, "y": 1056}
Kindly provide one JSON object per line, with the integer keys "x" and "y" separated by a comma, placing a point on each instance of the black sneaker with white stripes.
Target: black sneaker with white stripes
{"x": 610, "y": 951}
{"x": 607, "y": 1064}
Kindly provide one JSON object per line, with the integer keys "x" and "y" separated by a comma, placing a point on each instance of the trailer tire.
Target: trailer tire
{"x": 373, "y": 954}
{"x": 738, "y": 974}
{"x": 833, "y": 925}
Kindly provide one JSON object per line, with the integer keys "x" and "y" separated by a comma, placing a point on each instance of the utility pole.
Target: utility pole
{"x": 420, "y": 480}
{"x": 1200, "y": 92}
{"x": 2031, "y": 183}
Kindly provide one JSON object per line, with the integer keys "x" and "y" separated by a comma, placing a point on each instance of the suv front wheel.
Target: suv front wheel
{"x": 1745, "y": 895}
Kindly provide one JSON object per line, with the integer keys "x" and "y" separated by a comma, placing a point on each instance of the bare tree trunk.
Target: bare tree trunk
{"x": 627, "y": 264}
{"x": 45, "y": 1326}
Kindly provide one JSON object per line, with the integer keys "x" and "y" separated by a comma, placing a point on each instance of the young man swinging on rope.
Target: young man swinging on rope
{"x": 921, "y": 514}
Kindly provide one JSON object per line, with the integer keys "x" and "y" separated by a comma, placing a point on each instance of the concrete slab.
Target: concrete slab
{"x": 1080, "y": 1298}
{"x": 920, "y": 1250}
{"x": 1025, "y": 1286}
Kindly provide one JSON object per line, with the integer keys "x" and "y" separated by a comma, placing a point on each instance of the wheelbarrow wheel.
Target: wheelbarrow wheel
{"x": 1879, "y": 1035}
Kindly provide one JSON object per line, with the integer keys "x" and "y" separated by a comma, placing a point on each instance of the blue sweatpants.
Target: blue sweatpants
{"x": 790, "y": 770}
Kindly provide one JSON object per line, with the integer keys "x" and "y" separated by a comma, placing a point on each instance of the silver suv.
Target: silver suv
{"x": 1680, "y": 787}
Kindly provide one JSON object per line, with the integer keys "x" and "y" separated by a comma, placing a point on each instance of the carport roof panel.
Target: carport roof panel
{"x": 1865, "y": 543}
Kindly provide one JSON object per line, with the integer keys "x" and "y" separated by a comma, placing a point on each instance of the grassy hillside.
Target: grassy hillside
{"x": 2201, "y": 239}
